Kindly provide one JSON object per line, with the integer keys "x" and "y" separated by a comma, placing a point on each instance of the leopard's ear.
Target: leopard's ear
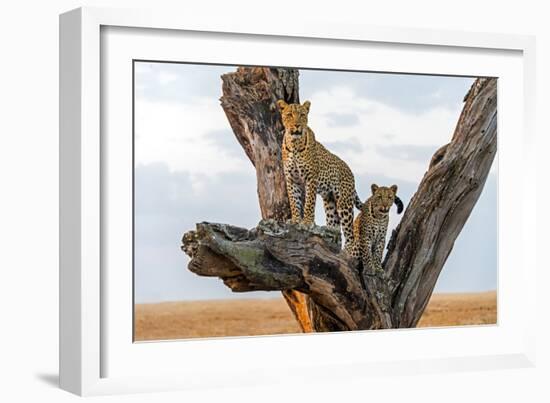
{"x": 394, "y": 189}
{"x": 281, "y": 104}
{"x": 306, "y": 105}
{"x": 374, "y": 188}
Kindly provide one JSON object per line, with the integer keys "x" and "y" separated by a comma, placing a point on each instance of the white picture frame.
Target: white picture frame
{"x": 96, "y": 355}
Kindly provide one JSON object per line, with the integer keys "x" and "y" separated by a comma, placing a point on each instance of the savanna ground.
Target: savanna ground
{"x": 250, "y": 317}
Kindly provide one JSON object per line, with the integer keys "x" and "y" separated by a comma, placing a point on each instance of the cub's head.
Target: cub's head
{"x": 382, "y": 199}
{"x": 294, "y": 117}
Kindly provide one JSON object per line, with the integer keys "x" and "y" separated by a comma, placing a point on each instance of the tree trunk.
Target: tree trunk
{"x": 293, "y": 258}
{"x": 440, "y": 207}
{"x": 249, "y": 101}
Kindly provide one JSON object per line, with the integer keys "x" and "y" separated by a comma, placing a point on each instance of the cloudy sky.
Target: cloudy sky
{"x": 189, "y": 167}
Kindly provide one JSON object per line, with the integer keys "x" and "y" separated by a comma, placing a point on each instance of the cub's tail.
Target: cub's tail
{"x": 357, "y": 201}
{"x": 399, "y": 204}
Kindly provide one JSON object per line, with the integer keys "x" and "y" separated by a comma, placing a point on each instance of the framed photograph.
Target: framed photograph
{"x": 247, "y": 203}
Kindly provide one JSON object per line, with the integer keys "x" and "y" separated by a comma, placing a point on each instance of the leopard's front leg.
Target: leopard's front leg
{"x": 378, "y": 249}
{"x": 372, "y": 257}
{"x": 309, "y": 207}
{"x": 294, "y": 192}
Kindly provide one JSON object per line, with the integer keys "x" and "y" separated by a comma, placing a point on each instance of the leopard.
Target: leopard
{"x": 371, "y": 225}
{"x": 310, "y": 169}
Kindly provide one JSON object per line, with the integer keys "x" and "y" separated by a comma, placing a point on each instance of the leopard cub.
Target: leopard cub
{"x": 371, "y": 225}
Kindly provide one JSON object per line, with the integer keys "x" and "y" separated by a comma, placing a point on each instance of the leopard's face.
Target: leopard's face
{"x": 294, "y": 117}
{"x": 382, "y": 199}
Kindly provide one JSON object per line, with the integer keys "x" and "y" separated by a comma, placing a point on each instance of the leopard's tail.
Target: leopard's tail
{"x": 357, "y": 201}
{"x": 399, "y": 204}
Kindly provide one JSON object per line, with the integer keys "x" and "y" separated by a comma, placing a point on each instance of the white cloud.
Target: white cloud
{"x": 142, "y": 68}
{"x": 380, "y": 125}
{"x": 165, "y": 78}
{"x": 177, "y": 134}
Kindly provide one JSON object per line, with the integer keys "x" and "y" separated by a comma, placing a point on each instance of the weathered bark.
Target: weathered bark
{"x": 440, "y": 207}
{"x": 277, "y": 256}
{"x": 249, "y": 102}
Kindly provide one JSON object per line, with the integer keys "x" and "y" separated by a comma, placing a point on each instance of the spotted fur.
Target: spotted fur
{"x": 371, "y": 225}
{"x": 311, "y": 169}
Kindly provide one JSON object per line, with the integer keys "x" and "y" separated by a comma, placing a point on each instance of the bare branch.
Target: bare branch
{"x": 277, "y": 257}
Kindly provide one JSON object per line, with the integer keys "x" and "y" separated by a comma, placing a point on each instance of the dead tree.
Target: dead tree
{"x": 299, "y": 260}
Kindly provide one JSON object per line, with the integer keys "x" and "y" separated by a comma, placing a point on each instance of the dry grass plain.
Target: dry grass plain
{"x": 191, "y": 319}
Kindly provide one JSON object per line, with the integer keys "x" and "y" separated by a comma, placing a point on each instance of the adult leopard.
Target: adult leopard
{"x": 311, "y": 169}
